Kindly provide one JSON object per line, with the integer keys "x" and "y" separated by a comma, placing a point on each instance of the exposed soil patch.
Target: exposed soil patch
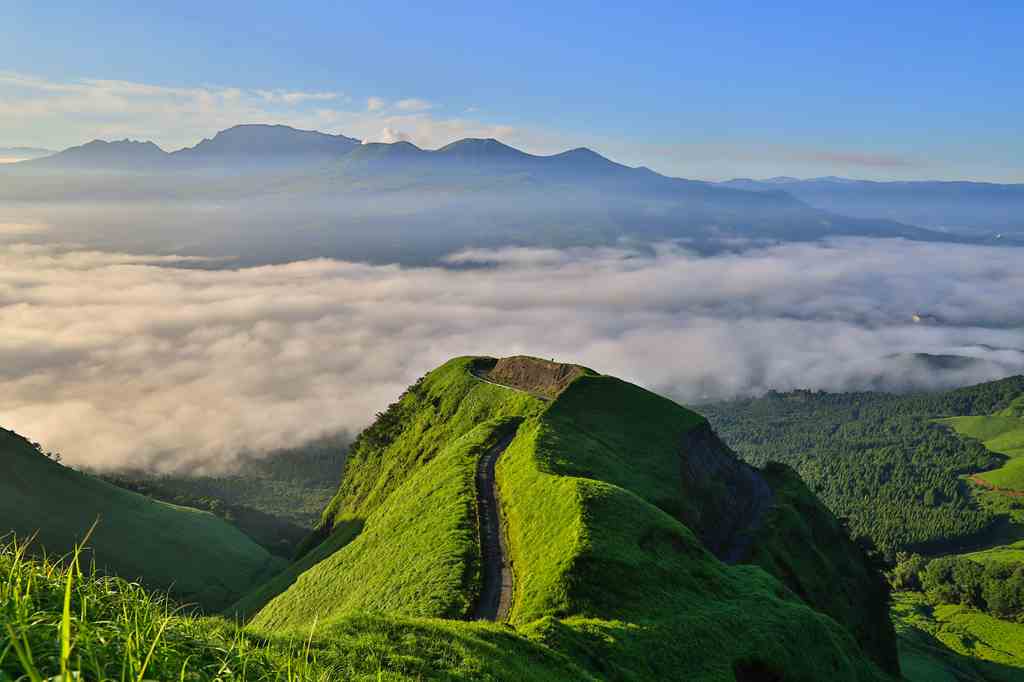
{"x": 539, "y": 377}
{"x": 977, "y": 480}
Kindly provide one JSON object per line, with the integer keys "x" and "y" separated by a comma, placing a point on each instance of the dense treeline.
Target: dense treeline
{"x": 996, "y": 588}
{"x": 879, "y": 460}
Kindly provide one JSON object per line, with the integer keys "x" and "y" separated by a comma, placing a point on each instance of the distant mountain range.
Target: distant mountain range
{"x": 237, "y": 146}
{"x": 969, "y": 208}
{"x": 388, "y": 202}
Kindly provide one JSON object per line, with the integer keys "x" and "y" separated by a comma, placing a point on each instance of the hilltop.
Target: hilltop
{"x": 200, "y": 557}
{"x": 256, "y": 144}
{"x": 638, "y": 545}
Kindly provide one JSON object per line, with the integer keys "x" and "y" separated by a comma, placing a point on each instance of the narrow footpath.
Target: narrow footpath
{"x": 496, "y": 591}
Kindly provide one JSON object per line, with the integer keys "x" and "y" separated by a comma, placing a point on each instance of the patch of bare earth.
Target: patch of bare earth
{"x": 534, "y": 375}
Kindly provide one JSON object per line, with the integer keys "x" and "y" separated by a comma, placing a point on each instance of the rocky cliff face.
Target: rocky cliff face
{"x": 732, "y": 498}
{"x": 768, "y": 517}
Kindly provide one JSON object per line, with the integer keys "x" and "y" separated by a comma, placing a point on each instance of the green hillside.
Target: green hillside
{"x": 1005, "y": 554}
{"x": 120, "y": 631}
{"x": 1002, "y": 433}
{"x": 951, "y": 643}
{"x": 612, "y": 498}
{"x": 201, "y": 557}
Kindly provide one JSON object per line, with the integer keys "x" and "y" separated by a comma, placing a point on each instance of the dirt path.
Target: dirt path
{"x": 496, "y": 592}
{"x": 978, "y": 481}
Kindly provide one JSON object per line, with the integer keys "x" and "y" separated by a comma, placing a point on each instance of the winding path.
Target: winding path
{"x": 496, "y": 592}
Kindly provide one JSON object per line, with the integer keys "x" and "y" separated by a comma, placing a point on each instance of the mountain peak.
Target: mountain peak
{"x": 267, "y": 142}
{"x": 123, "y": 154}
{"x": 482, "y": 148}
{"x": 585, "y": 159}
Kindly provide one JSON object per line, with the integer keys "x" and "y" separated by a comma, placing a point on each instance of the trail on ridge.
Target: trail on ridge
{"x": 496, "y": 592}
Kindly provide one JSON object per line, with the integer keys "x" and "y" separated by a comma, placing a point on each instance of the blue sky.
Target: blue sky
{"x": 708, "y": 90}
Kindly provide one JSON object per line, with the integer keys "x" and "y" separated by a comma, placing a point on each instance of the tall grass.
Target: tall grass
{"x": 61, "y": 622}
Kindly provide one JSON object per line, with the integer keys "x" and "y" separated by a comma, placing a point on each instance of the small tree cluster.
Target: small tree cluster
{"x": 996, "y": 588}
{"x": 55, "y": 456}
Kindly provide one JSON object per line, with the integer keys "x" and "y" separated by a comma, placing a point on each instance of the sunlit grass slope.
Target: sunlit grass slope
{"x": 605, "y": 572}
{"x": 408, "y": 499}
{"x": 1004, "y": 554}
{"x": 201, "y": 557}
{"x": 1002, "y": 433}
{"x": 955, "y": 643}
{"x": 116, "y": 630}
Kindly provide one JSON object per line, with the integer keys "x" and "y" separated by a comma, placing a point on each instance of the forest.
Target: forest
{"x": 996, "y": 588}
{"x": 879, "y": 460}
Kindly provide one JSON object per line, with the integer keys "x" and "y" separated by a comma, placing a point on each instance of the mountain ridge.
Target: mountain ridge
{"x": 475, "y": 192}
{"x": 608, "y": 534}
{"x": 981, "y": 209}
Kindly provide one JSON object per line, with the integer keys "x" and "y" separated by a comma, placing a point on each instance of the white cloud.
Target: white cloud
{"x": 115, "y": 358}
{"x": 21, "y": 229}
{"x": 390, "y": 136}
{"x": 375, "y": 104}
{"x": 279, "y": 96}
{"x": 413, "y": 104}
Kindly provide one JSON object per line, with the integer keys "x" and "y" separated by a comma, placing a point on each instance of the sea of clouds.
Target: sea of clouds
{"x": 120, "y": 359}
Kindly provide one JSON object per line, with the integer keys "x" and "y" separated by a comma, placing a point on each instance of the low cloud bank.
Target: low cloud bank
{"x": 117, "y": 359}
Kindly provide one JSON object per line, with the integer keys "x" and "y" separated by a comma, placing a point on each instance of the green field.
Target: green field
{"x": 1002, "y": 433}
{"x": 1005, "y": 554}
{"x": 606, "y": 574}
{"x": 956, "y": 643}
{"x": 197, "y": 555}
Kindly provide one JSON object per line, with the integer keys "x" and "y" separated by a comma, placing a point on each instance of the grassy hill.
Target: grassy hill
{"x": 612, "y": 497}
{"x": 275, "y": 498}
{"x": 201, "y": 557}
{"x": 951, "y": 643}
{"x": 1002, "y": 433}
